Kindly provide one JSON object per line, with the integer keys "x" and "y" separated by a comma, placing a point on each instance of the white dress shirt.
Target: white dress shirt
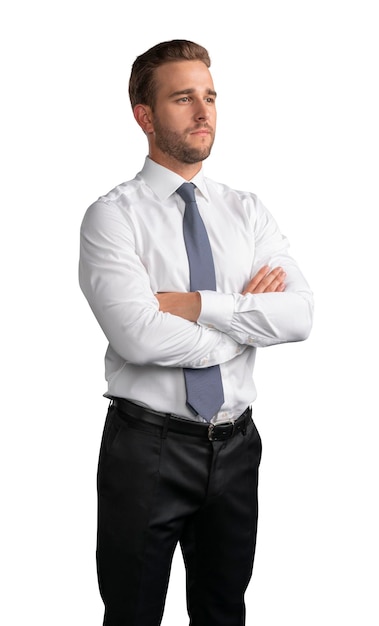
{"x": 132, "y": 247}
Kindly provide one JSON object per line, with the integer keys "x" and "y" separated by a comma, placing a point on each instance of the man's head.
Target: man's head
{"x": 173, "y": 99}
{"x": 142, "y": 83}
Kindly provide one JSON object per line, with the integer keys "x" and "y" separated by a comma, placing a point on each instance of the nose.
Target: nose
{"x": 202, "y": 112}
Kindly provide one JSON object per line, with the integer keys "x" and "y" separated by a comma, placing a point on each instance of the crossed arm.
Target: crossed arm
{"x": 188, "y": 305}
{"x": 178, "y": 329}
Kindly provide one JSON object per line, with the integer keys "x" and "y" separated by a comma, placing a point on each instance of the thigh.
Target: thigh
{"x": 218, "y": 543}
{"x": 128, "y": 482}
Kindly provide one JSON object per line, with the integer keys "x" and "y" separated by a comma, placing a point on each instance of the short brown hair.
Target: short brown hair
{"x": 142, "y": 88}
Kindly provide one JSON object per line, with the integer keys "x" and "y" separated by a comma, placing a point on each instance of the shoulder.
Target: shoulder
{"x": 247, "y": 200}
{"x": 116, "y": 202}
{"x": 123, "y": 193}
{"x": 225, "y": 190}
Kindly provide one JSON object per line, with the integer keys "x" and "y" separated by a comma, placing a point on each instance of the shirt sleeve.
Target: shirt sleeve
{"x": 117, "y": 287}
{"x": 270, "y": 318}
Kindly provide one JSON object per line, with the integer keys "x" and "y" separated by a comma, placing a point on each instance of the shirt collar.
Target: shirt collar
{"x": 165, "y": 182}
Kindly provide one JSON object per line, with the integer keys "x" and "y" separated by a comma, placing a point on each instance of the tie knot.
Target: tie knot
{"x": 187, "y": 192}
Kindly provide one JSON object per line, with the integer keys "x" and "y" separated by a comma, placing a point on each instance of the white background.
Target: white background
{"x": 298, "y": 125}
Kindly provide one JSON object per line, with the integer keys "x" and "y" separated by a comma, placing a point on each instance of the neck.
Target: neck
{"x": 185, "y": 170}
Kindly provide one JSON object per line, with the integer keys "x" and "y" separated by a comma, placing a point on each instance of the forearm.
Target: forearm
{"x": 141, "y": 334}
{"x": 269, "y": 310}
{"x": 259, "y": 320}
{"x": 262, "y": 319}
{"x": 184, "y": 305}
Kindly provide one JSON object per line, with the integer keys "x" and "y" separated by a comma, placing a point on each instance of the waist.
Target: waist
{"x": 135, "y": 414}
{"x": 163, "y": 388}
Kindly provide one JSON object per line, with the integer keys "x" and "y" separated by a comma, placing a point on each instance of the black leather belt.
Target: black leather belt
{"x": 132, "y": 413}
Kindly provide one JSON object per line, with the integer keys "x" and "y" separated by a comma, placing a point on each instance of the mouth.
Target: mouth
{"x": 201, "y": 132}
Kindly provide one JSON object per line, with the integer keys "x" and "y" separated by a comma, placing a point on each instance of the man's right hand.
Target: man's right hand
{"x": 266, "y": 281}
{"x": 188, "y": 305}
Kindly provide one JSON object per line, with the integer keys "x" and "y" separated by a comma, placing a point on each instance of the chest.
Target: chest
{"x": 160, "y": 245}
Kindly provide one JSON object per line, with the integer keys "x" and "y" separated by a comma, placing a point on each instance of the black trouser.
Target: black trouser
{"x": 157, "y": 487}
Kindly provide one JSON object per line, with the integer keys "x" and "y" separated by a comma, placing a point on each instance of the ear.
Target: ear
{"x": 143, "y": 116}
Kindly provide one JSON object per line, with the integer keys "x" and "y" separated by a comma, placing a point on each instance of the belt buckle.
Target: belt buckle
{"x": 220, "y": 432}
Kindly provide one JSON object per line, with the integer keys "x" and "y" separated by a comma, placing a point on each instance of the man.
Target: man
{"x": 184, "y": 313}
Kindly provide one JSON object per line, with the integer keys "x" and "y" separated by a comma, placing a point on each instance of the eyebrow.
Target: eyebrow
{"x": 186, "y": 92}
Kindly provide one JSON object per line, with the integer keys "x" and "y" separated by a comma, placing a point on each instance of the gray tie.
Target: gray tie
{"x": 205, "y": 394}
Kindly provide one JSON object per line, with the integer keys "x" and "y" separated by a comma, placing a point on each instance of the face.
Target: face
{"x": 184, "y": 116}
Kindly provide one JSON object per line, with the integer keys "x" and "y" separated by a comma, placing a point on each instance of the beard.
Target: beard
{"x": 174, "y": 144}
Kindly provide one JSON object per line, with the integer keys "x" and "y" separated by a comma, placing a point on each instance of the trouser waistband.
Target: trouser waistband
{"x": 132, "y": 413}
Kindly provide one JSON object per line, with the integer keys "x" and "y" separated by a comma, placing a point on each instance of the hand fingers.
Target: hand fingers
{"x": 255, "y": 281}
{"x": 266, "y": 281}
{"x": 273, "y": 281}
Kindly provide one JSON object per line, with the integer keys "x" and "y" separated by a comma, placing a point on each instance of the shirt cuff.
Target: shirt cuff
{"x": 217, "y": 310}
